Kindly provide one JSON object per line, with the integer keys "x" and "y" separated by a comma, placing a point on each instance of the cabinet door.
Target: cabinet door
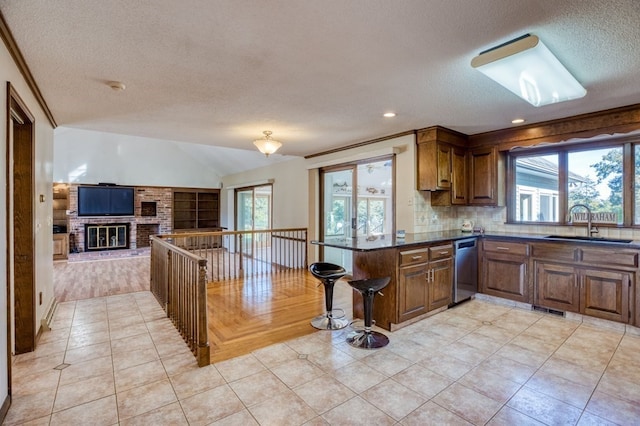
{"x": 505, "y": 276}
{"x": 605, "y": 294}
{"x": 482, "y": 177}
{"x": 443, "y": 164}
{"x": 60, "y": 246}
{"x": 412, "y": 291}
{"x": 441, "y": 284}
{"x": 557, "y": 287}
{"x": 458, "y": 176}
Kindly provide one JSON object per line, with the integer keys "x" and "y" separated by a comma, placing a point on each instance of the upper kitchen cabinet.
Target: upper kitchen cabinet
{"x": 486, "y": 177}
{"x": 442, "y": 165}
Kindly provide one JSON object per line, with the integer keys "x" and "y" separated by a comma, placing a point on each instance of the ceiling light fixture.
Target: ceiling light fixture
{"x": 518, "y": 120}
{"x": 389, "y": 114}
{"x": 266, "y": 144}
{"x": 527, "y": 68}
{"x": 117, "y": 86}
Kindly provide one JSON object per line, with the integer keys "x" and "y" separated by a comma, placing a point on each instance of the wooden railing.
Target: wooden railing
{"x": 183, "y": 264}
{"x": 179, "y": 283}
{"x": 238, "y": 254}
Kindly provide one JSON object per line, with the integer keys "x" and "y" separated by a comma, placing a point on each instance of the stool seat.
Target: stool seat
{"x": 323, "y": 270}
{"x": 370, "y": 284}
{"x": 367, "y": 338}
{"x": 328, "y": 274}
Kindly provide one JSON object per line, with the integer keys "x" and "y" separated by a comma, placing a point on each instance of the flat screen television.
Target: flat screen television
{"x": 105, "y": 201}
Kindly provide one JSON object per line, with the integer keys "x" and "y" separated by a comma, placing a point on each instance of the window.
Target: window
{"x": 547, "y": 184}
{"x": 595, "y": 180}
{"x": 537, "y": 188}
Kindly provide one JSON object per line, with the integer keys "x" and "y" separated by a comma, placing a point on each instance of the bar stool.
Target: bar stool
{"x": 368, "y": 339}
{"x": 328, "y": 274}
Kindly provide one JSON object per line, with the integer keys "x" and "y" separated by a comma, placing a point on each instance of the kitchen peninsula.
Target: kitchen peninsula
{"x": 593, "y": 277}
{"x": 420, "y": 267}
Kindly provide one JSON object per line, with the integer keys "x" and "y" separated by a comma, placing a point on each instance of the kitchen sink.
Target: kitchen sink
{"x": 594, "y": 239}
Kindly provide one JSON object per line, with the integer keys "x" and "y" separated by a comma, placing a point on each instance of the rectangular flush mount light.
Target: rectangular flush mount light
{"x": 527, "y": 68}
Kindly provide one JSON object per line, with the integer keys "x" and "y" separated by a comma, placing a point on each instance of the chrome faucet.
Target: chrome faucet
{"x": 590, "y": 229}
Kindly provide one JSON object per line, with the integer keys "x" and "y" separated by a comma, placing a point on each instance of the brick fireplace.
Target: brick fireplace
{"x": 152, "y": 216}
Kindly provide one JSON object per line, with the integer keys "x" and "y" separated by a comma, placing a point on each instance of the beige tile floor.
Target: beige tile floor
{"x": 118, "y": 360}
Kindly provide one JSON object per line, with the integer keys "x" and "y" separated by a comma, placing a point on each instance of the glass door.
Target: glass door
{"x": 366, "y": 211}
{"x": 253, "y": 213}
{"x": 338, "y": 214}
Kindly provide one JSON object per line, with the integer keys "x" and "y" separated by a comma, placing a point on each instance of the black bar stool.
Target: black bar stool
{"x": 328, "y": 274}
{"x": 368, "y": 339}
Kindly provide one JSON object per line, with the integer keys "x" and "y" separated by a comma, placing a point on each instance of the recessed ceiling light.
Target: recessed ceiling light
{"x": 389, "y": 114}
{"x": 518, "y": 120}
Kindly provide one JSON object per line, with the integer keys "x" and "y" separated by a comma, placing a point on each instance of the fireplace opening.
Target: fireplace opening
{"x": 144, "y": 232}
{"x": 110, "y": 236}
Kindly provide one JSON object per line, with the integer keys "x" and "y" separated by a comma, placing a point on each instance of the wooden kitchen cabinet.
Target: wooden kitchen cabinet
{"x": 557, "y": 286}
{"x": 413, "y": 292}
{"x": 425, "y": 280}
{"x": 436, "y": 149}
{"x": 421, "y": 281}
{"x": 456, "y": 175}
{"x": 504, "y": 270}
{"x": 597, "y": 293}
{"x": 597, "y": 282}
{"x": 485, "y": 177}
{"x": 441, "y": 285}
{"x": 605, "y": 294}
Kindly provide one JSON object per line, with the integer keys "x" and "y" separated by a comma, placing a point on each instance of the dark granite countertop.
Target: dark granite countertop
{"x": 380, "y": 242}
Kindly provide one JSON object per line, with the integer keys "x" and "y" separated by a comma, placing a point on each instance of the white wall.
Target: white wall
{"x": 43, "y": 211}
{"x": 290, "y": 202}
{"x": 84, "y": 156}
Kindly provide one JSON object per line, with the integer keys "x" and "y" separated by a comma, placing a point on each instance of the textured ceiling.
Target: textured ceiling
{"x": 319, "y": 74}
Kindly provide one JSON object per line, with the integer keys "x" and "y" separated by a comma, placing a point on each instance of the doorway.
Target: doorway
{"x": 368, "y": 211}
{"x": 20, "y": 233}
{"x": 253, "y": 212}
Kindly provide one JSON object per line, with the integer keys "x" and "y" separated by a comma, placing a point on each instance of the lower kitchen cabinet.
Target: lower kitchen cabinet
{"x": 425, "y": 279}
{"x": 440, "y": 287}
{"x": 605, "y": 294}
{"x": 503, "y": 270}
{"x": 557, "y": 286}
{"x": 413, "y": 293}
{"x": 595, "y": 292}
{"x": 595, "y": 281}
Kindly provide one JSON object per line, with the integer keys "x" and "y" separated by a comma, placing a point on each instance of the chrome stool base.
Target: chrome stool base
{"x": 367, "y": 340}
{"x": 324, "y": 322}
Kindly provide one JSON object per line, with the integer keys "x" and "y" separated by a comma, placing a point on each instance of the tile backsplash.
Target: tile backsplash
{"x": 429, "y": 218}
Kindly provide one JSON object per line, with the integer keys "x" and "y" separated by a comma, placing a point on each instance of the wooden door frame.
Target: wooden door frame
{"x": 21, "y": 150}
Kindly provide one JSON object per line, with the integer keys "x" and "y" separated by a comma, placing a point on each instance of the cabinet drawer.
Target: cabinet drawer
{"x": 408, "y": 257}
{"x": 611, "y": 257}
{"x": 506, "y": 247}
{"x": 555, "y": 251}
{"x": 440, "y": 252}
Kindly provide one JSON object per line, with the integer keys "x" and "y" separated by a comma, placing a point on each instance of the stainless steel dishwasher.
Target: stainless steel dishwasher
{"x": 465, "y": 277}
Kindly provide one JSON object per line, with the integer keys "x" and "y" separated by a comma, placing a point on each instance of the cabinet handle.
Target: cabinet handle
{"x": 444, "y": 252}
{"x": 502, "y": 248}
{"x": 416, "y": 257}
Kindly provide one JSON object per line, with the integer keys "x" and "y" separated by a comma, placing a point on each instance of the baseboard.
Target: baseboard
{"x": 5, "y": 408}
{"x": 45, "y": 322}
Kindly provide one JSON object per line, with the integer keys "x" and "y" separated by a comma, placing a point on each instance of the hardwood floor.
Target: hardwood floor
{"x": 244, "y": 314}
{"x": 97, "y": 278}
